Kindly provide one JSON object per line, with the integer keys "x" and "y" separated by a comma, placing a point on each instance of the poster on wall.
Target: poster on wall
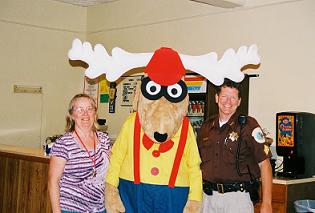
{"x": 128, "y": 89}
{"x": 196, "y": 83}
{"x": 91, "y": 88}
{"x": 104, "y": 90}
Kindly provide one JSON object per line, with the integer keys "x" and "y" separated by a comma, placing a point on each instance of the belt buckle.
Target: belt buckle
{"x": 220, "y": 188}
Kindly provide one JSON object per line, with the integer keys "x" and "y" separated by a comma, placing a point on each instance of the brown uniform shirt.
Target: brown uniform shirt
{"x": 218, "y": 150}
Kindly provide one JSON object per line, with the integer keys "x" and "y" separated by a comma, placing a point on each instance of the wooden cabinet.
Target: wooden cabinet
{"x": 285, "y": 192}
{"x": 23, "y": 184}
{"x": 279, "y": 197}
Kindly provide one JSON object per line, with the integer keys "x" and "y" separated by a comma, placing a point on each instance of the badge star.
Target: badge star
{"x": 233, "y": 136}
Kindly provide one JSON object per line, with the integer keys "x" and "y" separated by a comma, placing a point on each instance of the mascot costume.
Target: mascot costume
{"x": 154, "y": 166}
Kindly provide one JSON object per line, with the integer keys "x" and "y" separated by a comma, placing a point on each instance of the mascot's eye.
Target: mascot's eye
{"x": 153, "y": 88}
{"x": 176, "y": 92}
{"x": 150, "y": 89}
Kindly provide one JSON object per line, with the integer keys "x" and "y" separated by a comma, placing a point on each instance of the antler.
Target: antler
{"x": 100, "y": 62}
{"x": 229, "y": 66}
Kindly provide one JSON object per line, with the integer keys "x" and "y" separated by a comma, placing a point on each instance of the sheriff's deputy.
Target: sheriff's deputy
{"x": 234, "y": 158}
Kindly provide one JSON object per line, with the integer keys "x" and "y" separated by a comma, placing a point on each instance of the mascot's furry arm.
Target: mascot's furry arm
{"x": 113, "y": 202}
{"x": 193, "y": 204}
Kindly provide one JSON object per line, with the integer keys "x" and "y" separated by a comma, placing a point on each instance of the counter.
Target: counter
{"x": 24, "y": 176}
{"x": 23, "y": 180}
{"x": 286, "y": 181}
{"x": 285, "y": 191}
{"x": 24, "y": 153}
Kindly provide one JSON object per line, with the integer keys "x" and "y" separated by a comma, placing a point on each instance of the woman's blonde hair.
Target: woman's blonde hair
{"x": 70, "y": 122}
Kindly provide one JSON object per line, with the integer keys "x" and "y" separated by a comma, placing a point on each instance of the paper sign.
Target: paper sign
{"x": 129, "y": 85}
{"x": 91, "y": 88}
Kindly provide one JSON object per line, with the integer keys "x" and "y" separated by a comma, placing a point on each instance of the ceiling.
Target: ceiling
{"x": 216, "y": 3}
{"x": 86, "y": 3}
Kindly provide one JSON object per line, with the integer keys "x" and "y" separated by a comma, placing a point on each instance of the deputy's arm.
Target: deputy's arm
{"x": 266, "y": 179}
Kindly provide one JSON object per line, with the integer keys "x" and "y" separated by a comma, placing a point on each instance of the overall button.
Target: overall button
{"x": 155, "y": 171}
{"x": 156, "y": 153}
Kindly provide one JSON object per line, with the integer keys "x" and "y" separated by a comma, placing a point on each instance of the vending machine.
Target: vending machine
{"x": 197, "y": 90}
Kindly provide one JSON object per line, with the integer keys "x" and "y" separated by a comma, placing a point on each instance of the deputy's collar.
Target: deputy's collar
{"x": 231, "y": 122}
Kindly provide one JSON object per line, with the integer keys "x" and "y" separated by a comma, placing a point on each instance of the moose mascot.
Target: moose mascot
{"x": 154, "y": 166}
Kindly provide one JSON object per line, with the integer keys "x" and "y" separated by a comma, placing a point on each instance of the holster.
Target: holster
{"x": 207, "y": 188}
{"x": 253, "y": 190}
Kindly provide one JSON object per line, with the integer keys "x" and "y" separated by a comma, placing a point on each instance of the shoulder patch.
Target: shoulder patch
{"x": 258, "y": 135}
{"x": 266, "y": 149}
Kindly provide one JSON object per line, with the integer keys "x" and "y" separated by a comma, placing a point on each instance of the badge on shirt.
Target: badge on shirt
{"x": 233, "y": 136}
{"x": 266, "y": 149}
{"x": 258, "y": 135}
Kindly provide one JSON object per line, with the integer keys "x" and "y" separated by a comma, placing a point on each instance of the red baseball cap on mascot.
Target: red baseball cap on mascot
{"x": 165, "y": 67}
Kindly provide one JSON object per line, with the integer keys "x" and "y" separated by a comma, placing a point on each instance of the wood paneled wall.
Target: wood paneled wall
{"x": 23, "y": 186}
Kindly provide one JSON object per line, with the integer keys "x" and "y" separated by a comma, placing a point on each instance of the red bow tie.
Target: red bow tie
{"x": 164, "y": 147}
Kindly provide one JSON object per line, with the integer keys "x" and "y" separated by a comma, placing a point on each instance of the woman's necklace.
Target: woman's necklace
{"x": 94, "y": 157}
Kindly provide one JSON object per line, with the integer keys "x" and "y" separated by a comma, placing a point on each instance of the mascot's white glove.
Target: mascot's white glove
{"x": 113, "y": 203}
{"x": 192, "y": 206}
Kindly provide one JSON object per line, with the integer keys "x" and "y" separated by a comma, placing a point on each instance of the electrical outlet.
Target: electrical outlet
{"x": 27, "y": 89}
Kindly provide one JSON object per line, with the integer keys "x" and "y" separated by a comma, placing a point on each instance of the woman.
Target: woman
{"x": 79, "y": 161}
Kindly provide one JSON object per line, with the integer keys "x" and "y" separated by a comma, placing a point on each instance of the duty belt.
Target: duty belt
{"x": 226, "y": 187}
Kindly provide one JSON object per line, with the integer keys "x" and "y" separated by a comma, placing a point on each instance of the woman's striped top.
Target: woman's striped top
{"x": 79, "y": 190}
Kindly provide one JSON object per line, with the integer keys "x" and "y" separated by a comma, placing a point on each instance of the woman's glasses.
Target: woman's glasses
{"x": 81, "y": 110}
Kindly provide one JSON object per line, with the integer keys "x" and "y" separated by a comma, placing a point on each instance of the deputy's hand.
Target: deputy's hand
{"x": 265, "y": 208}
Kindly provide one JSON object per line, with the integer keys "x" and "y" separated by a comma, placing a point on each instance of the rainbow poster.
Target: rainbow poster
{"x": 196, "y": 83}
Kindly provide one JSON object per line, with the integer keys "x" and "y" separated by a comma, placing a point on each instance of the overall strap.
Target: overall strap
{"x": 136, "y": 151}
{"x": 179, "y": 153}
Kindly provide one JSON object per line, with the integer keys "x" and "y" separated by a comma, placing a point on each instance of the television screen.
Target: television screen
{"x": 285, "y": 130}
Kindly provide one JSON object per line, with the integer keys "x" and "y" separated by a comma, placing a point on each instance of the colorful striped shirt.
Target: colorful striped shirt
{"x": 79, "y": 190}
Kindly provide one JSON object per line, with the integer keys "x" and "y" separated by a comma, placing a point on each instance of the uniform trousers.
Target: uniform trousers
{"x": 230, "y": 202}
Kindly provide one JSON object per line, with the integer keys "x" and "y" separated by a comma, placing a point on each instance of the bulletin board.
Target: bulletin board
{"x": 129, "y": 85}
